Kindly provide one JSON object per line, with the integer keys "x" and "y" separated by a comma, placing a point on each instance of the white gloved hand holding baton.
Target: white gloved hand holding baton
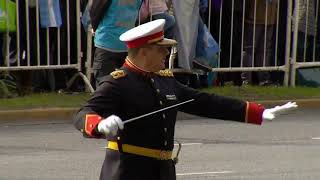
{"x": 110, "y": 125}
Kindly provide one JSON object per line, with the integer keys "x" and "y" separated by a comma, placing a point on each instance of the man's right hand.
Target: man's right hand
{"x": 110, "y": 125}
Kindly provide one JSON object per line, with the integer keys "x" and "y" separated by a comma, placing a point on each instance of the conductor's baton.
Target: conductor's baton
{"x": 153, "y": 112}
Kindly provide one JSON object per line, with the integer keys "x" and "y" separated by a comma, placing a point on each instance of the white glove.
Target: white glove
{"x": 270, "y": 114}
{"x": 110, "y": 125}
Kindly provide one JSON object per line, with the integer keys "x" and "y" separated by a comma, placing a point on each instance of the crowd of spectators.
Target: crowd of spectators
{"x": 247, "y": 32}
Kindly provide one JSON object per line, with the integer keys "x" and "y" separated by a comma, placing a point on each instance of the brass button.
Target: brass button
{"x": 158, "y": 91}
{"x": 164, "y": 116}
{"x": 152, "y": 80}
{"x": 165, "y": 129}
{"x": 165, "y": 143}
{"x": 161, "y": 103}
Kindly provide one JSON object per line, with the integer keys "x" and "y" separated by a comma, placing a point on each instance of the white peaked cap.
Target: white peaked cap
{"x": 148, "y": 33}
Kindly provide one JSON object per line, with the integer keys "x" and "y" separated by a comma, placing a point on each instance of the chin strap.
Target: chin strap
{"x": 176, "y": 158}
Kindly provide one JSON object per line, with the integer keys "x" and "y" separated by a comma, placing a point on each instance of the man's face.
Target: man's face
{"x": 155, "y": 57}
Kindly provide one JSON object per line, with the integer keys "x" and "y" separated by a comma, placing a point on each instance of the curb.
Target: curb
{"x": 9, "y": 116}
{"x": 37, "y": 114}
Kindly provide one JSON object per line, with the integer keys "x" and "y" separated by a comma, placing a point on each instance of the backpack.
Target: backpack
{"x": 97, "y": 9}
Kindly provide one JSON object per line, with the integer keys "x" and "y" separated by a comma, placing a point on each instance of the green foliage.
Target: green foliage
{"x": 44, "y": 100}
{"x": 254, "y": 93}
{"x": 250, "y": 93}
{"x": 8, "y": 87}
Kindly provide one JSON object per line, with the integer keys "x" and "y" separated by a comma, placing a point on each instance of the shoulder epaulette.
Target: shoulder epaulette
{"x": 165, "y": 73}
{"x": 118, "y": 74}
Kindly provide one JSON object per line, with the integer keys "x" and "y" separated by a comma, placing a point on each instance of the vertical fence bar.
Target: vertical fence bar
{"x": 265, "y": 33}
{"x": 7, "y": 38}
{"x": 277, "y": 36}
{"x": 79, "y": 53}
{"x": 288, "y": 44}
{"x": 315, "y": 32}
{"x": 68, "y": 32}
{"x": 150, "y": 9}
{"x": 294, "y": 44}
{"x": 89, "y": 53}
{"x": 59, "y": 45}
{"x": 48, "y": 45}
{"x": 242, "y": 32}
{"x": 254, "y": 32}
{"x": 7, "y": 49}
{"x": 38, "y": 34}
{"x": 18, "y": 33}
{"x": 231, "y": 34}
{"x": 28, "y": 33}
{"x": 306, "y": 33}
{"x": 220, "y": 26}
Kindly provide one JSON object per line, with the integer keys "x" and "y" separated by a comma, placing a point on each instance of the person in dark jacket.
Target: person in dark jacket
{"x": 142, "y": 149}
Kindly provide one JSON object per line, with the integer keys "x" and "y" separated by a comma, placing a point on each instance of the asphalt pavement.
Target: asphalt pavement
{"x": 286, "y": 148}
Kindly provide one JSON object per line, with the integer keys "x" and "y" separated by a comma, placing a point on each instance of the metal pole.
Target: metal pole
{"x": 288, "y": 45}
{"x": 79, "y": 52}
{"x": 315, "y": 32}
{"x": 38, "y": 34}
{"x": 89, "y": 55}
{"x": 242, "y": 32}
{"x": 220, "y": 26}
{"x": 294, "y": 44}
{"x": 277, "y": 36}
{"x": 28, "y": 33}
{"x": 231, "y": 34}
{"x": 18, "y": 33}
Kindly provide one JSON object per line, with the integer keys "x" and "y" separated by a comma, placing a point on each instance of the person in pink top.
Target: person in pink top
{"x": 158, "y": 9}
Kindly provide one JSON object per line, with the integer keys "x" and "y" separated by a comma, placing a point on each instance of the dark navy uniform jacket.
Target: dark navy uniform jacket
{"x": 129, "y": 93}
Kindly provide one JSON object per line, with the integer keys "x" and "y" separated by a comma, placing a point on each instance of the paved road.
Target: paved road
{"x": 288, "y": 148}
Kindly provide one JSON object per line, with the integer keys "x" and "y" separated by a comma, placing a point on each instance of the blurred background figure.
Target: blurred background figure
{"x": 260, "y": 20}
{"x": 158, "y": 9}
{"x": 306, "y": 30}
{"x": 116, "y": 18}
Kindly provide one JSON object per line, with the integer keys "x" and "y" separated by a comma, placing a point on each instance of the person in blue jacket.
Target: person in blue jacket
{"x": 118, "y": 17}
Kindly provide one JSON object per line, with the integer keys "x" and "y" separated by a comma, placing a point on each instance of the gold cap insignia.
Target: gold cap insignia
{"x": 118, "y": 74}
{"x": 165, "y": 73}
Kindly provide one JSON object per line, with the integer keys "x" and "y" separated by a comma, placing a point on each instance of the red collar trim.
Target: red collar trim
{"x": 132, "y": 67}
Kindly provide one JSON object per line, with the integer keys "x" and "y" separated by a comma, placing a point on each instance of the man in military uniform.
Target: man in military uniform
{"x": 142, "y": 149}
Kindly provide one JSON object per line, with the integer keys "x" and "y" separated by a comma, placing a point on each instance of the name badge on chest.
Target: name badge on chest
{"x": 171, "y": 97}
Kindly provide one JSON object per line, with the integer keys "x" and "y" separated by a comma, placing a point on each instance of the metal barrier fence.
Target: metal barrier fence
{"x": 234, "y": 25}
{"x": 259, "y": 21}
{"x": 263, "y": 36}
{"x": 39, "y": 48}
{"x": 306, "y": 39}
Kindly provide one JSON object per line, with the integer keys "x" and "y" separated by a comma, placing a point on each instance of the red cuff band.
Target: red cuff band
{"x": 254, "y": 113}
{"x": 92, "y": 120}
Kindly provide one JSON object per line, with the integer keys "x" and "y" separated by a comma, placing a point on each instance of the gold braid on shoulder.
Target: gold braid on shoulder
{"x": 118, "y": 74}
{"x": 165, "y": 73}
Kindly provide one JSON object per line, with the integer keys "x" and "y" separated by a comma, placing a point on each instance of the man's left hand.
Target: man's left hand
{"x": 270, "y": 114}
